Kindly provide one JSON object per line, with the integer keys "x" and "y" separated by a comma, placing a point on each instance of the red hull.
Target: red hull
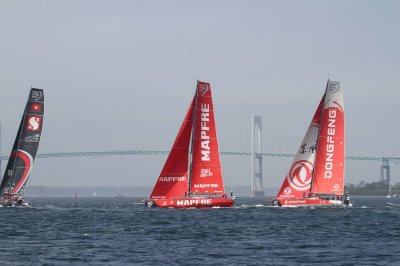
{"x": 183, "y": 203}
{"x": 309, "y": 202}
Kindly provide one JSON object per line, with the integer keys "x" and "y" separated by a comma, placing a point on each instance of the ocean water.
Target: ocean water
{"x": 116, "y": 231}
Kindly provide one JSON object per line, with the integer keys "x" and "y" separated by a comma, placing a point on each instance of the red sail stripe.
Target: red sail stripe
{"x": 24, "y": 176}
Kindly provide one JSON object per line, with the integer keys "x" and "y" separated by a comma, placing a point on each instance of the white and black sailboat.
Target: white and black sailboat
{"x": 24, "y": 151}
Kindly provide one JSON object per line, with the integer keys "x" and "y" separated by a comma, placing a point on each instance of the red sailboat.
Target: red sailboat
{"x": 192, "y": 176}
{"x": 316, "y": 176}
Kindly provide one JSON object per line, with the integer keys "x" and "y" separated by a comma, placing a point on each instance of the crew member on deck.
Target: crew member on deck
{"x": 19, "y": 200}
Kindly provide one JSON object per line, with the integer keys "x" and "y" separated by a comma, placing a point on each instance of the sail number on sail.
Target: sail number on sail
{"x": 330, "y": 144}
{"x": 205, "y": 138}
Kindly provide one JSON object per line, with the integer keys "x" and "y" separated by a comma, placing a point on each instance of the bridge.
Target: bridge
{"x": 246, "y": 139}
{"x": 160, "y": 152}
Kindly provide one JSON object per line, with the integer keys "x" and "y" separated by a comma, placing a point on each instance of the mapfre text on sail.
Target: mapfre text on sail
{"x": 204, "y": 134}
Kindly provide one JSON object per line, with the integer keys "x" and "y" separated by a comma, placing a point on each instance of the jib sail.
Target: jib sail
{"x": 173, "y": 180}
{"x": 297, "y": 182}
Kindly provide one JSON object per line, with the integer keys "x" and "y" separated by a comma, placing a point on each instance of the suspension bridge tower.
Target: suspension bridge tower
{"x": 256, "y": 157}
{"x": 385, "y": 170}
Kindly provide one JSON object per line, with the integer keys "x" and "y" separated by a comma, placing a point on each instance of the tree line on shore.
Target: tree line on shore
{"x": 380, "y": 188}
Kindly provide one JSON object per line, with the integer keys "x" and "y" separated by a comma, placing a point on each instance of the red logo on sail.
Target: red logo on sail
{"x": 33, "y": 123}
{"x": 35, "y": 107}
{"x": 205, "y": 172}
{"x": 203, "y": 88}
{"x": 300, "y": 175}
{"x": 287, "y": 191}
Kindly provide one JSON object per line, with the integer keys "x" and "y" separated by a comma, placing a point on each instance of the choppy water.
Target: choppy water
{"x": 114, "y": 231}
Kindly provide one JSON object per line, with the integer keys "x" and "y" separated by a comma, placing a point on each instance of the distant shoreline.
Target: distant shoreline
{"x": 127, "y": 191}
{"x": 144, "y": 191}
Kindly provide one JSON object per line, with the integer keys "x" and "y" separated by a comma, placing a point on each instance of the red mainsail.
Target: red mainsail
{"x": 206, "y": 175}
{"x": 329, "y": 162}
{"x": 173, "y": 180}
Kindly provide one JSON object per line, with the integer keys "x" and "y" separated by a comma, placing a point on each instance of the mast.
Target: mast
{"x": 0, "y": 152}
{"x": 319, "y": 132}
{"x": 192, "y": 139}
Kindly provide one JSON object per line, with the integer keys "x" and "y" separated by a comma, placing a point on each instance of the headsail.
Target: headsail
{"x": 173, "y": 179}
{"x": 298, "y": 181}
{"x": 206, "y": 165}
{"x": 329, "y": 163}
{"x": 25, "y": 147}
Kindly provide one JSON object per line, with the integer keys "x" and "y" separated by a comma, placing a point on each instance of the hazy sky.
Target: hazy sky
{"x": 121, "y": 75}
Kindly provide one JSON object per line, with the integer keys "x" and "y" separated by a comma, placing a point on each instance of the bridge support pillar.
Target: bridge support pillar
{"x": 256, "y": 157}
{"x": 385, "y": 170}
